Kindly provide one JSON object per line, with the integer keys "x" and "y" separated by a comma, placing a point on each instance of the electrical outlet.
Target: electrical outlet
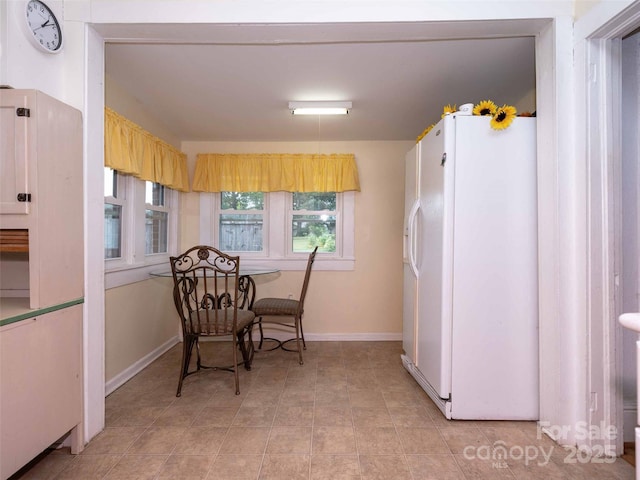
{"x": 290, "y": 296}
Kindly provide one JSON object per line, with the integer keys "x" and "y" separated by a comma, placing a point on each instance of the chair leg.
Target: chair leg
{"x": 246, "y": 346}
{"x": 235, "y": 365}
{"x": 187, "y": 349}
{"x": 199, "y": 362}
{"x": 261, "y": 333}
{"x": 298, "y": 330}
{"x": 304, "y": 344}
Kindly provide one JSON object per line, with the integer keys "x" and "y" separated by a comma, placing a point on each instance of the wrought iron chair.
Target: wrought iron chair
{"x": 209, "y": 295}
{"x": 277, "y": 309}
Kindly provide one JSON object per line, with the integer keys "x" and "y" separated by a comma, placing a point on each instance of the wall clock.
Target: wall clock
{"x": 45, "y": 29}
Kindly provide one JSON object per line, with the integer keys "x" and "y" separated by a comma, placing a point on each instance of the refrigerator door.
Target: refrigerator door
{"x": 410, "y": 279}
{"x": 495, "y": 312}
{"x": 434, "y": 259}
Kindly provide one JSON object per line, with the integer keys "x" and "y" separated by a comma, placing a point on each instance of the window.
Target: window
{"x": 241, "y": 221}
{"x": 313, "y": 222}
{"x": 140, "y": 226}
{"x": 112, "y": 215}
{"x": 280, "y": 228}
{"x": 156, "y": 218}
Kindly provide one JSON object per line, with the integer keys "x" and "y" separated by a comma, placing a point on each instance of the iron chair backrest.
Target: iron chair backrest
{"x": 206, "y": 290}
{"x": 305, "y": 284}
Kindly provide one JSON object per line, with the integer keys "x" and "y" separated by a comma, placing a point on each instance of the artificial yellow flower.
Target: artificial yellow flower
{"x": 449, "y": 109}
{"x": 503, "y": 117}
{"x": 425, "y": 132}
{"x": 485, "y": 107}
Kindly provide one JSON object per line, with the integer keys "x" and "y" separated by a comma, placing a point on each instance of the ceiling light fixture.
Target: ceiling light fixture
{"x": 319, "y": 108}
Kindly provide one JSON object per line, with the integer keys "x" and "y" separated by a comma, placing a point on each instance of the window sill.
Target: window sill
{"x": 121, "y": 276}
{"x": 292, "y": 264}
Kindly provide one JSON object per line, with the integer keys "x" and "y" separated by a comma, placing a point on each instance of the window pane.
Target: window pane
{"x": 156, "y": 231}
{"x": 112, "y": 231}
{"x": 314, "y": 201}
{"x": 110, "y": 183}
{"x": 311, "y": 231}
{"x": 240, "y": 233}
{"x": 242, "y": 200}
{"x": 154, "y": 194}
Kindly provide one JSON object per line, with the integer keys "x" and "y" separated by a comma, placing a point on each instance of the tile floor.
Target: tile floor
{"x": 351, "y": 412}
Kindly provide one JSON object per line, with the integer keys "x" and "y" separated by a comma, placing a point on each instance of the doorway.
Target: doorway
{"x": 612, "y": 200}
{"x": 629, "y": 200}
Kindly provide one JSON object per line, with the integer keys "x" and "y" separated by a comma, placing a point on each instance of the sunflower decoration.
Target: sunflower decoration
{"x": 485, "y": 107}
{"x": 448, "y": 109}
{"x": 503, "y": 117}
{"x": 425, "y": 132}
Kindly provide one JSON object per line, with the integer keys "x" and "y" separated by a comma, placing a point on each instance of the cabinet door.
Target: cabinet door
{"x": 13, "y": 153}
{"x": 41, "y": 384}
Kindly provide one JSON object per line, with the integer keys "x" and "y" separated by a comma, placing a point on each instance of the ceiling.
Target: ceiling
{"x": 233, "y": 83}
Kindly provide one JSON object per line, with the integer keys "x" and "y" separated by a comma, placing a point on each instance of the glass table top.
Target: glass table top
{"x": 247, "y": 271}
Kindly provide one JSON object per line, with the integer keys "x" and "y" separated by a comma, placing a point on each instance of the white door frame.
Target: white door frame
{"x": 603, "y": 148}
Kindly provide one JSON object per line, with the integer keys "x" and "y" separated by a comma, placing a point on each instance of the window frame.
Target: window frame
{"x": 277, "y": 228}
{"x": 265, "y": 223}
{"x": 135, "y": 264}
{"x": 339, "y": 225}
{"x": 162, "y": 208}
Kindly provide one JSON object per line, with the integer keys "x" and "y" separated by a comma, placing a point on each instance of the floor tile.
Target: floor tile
{"x": 378, "y": 441}
{"x": 157, "y": 441}
{"x": 186, "y": 467}
{"x": 235, "y": 467}
{"x": 335, "y": 467}
{"x": 333, "y": 440}
{"x": 351, "y": 412}
{"x": 294, "y": 440}
{"x": 434, "y": 467}
{"x": 245, "y": 440}
{"x": 384, "y": 467}
{"x": 289, "y": 467}
{"x": 137, "y": 467}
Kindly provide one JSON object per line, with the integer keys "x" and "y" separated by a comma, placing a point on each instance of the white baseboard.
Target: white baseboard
{"x": 353, "y": 337}
{"x": 138, "y": 366}
{"x": 274, "y": 332}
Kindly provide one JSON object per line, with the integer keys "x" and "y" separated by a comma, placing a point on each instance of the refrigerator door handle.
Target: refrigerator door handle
{"x": 413, "y": 214}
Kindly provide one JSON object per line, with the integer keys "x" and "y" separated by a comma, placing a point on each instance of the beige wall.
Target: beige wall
{"x": 139, "y": 318}
{"x": 116, "y": 98}
{"x": 365, "y": 302}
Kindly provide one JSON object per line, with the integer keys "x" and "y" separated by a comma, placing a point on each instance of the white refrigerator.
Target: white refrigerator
{"x": 470, "y": 319}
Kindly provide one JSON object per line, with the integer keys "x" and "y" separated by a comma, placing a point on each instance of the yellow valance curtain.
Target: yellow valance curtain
{"x": 271, "y": 172}
{"x": 130, "y": 149}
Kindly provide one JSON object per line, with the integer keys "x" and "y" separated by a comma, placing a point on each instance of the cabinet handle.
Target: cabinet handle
{"x": 24, "y": 197}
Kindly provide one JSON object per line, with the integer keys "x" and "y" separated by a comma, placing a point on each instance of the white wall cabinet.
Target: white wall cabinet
{"x": 41, "y": 161}
{"x": 41, "y": 286}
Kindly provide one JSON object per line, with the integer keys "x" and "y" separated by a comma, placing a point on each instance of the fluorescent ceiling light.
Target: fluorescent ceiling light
{"x": 319, "y": 108}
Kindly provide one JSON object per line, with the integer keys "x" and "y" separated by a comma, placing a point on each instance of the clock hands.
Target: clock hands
{"x": 45, "y": 24}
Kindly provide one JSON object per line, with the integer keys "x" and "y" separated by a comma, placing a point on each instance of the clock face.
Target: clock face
{"x": 44, "y": 26}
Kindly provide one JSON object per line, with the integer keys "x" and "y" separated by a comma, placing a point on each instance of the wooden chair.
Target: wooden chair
{"x": 276, "y": 310}
{"x": 208, "y": 299}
